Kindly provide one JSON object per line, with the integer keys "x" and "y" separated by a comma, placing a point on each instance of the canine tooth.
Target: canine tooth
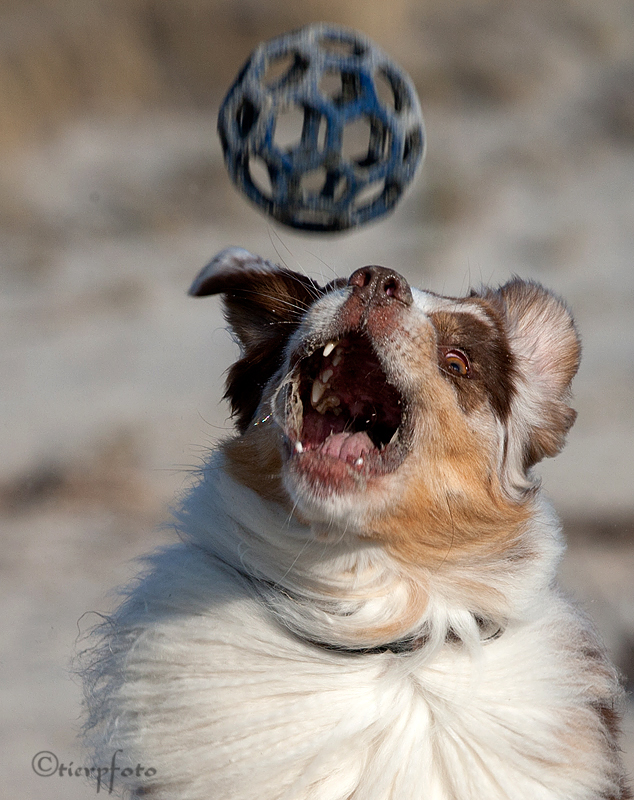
{"x": 326, "y": 375}
{"x": 359, "y": 462}
{"x": 329, "y": 348}
{"x": 299, "y": 447}
{"x": 317, "y": 392}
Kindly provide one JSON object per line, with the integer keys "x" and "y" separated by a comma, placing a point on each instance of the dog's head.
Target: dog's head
{"x": 369, "y": 404}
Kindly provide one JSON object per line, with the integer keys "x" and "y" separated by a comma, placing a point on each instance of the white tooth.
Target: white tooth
{"x": 359, "y": 462}
{"x": 326, "y": 375}
{"x": 317, "y": 392}
{"x": 299, "y": 447}
{"x": 338, "y": 357}
{"x": 394, "y": 436}
{"x": 329, "y": 348}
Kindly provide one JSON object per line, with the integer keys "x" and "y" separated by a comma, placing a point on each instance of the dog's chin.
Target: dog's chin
{"x": 346, "y": 428}
{"x": 332, "y": 495}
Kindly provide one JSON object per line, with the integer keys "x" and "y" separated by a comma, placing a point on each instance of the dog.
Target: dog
{"x": 363, "y": 601}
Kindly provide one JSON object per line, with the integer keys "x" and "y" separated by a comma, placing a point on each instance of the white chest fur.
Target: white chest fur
{"x": 223, "y": 702}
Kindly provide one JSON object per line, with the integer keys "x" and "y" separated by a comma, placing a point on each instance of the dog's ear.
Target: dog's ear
{"x": 263, "y": 305}
{"x": 547, "y": 349}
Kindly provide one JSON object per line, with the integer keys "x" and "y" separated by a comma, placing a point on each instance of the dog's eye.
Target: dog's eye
{"x": 457, "y": 362}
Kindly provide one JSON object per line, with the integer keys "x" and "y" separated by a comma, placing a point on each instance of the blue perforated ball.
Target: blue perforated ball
{"x": 321, "y": 129}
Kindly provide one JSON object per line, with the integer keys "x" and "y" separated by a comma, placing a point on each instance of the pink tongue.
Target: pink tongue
{"x": 347, "y": 445}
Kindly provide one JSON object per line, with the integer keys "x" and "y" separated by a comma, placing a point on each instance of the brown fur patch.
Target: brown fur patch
{"x": 493, "y": 364}
{"x": 263, "y": 309}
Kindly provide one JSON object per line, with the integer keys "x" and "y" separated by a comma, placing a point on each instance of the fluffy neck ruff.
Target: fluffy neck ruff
{"x": 345, "y": 592}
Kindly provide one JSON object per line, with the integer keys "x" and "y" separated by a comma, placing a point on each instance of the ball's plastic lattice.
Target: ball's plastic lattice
{"x": 321, "y": 129}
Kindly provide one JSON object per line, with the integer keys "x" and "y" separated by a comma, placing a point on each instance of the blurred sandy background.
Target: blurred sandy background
{"x": 113, "y": 194}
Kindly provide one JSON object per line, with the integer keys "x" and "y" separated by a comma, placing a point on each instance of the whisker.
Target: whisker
{"x": 275, "y": 247}
{"x": 295, "y": 306}
{"x": 296, "y": 559}
{"x": 295, "y": 259}
{"x": 312, "y": 287}
{"x": 325, "y": 263}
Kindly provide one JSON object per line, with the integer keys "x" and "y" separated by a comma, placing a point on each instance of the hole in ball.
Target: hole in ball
{"x": 391, "y": 90}
{"x": 336, "y": 186}
{"x": 350, "y": 87}
{"x": 314, "y": 129}
{"x": 288, "y": 127}
{"x": 313, "y": 182}
{"x": 413, "y": 145}
{"x": 330, "y": 84}
{"x": 318, "y": 220}
{"x": 286, "y": 68}
{"x": 384, "y": 90}
{"x": 340, "y": 87}
{"x": 355, "y": 145}
{"x": 246, "y": 117}
{"x": 366, "y": 141}
{"x": 278, "y": 68}
{"x": 260, "y": 176}
{"x": 322, "y": 132}
{"x": 380, "y": 143}
{"x": 369, "y": 194}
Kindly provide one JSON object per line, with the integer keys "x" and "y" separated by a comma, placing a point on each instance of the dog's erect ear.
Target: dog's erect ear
{"x": 263, "y": 305}
{"x": 547, "y": 349}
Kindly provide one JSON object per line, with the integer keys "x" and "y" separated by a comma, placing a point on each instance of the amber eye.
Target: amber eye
{"x": 457, "y": 362}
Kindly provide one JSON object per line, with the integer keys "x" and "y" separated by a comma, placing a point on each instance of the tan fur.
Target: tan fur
{"x": 451, "y": 505}
{"x": 254, "y": 461}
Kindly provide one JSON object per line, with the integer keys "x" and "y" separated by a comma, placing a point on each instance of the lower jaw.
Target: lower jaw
{"x": 324, "y": 500}
{"x": 325, "y": 477}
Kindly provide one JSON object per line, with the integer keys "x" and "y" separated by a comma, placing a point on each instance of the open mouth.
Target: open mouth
{"x": 344, "y": 417}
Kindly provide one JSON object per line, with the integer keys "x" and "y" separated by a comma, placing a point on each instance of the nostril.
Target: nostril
{"x": 390, "y": 287}
{"x": 362, "y": 277}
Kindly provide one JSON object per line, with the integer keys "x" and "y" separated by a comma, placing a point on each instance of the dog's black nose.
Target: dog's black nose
{"x": 378, "y": 284}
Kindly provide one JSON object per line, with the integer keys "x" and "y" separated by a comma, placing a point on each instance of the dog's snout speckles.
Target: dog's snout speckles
{"x": 380, "y": 285}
